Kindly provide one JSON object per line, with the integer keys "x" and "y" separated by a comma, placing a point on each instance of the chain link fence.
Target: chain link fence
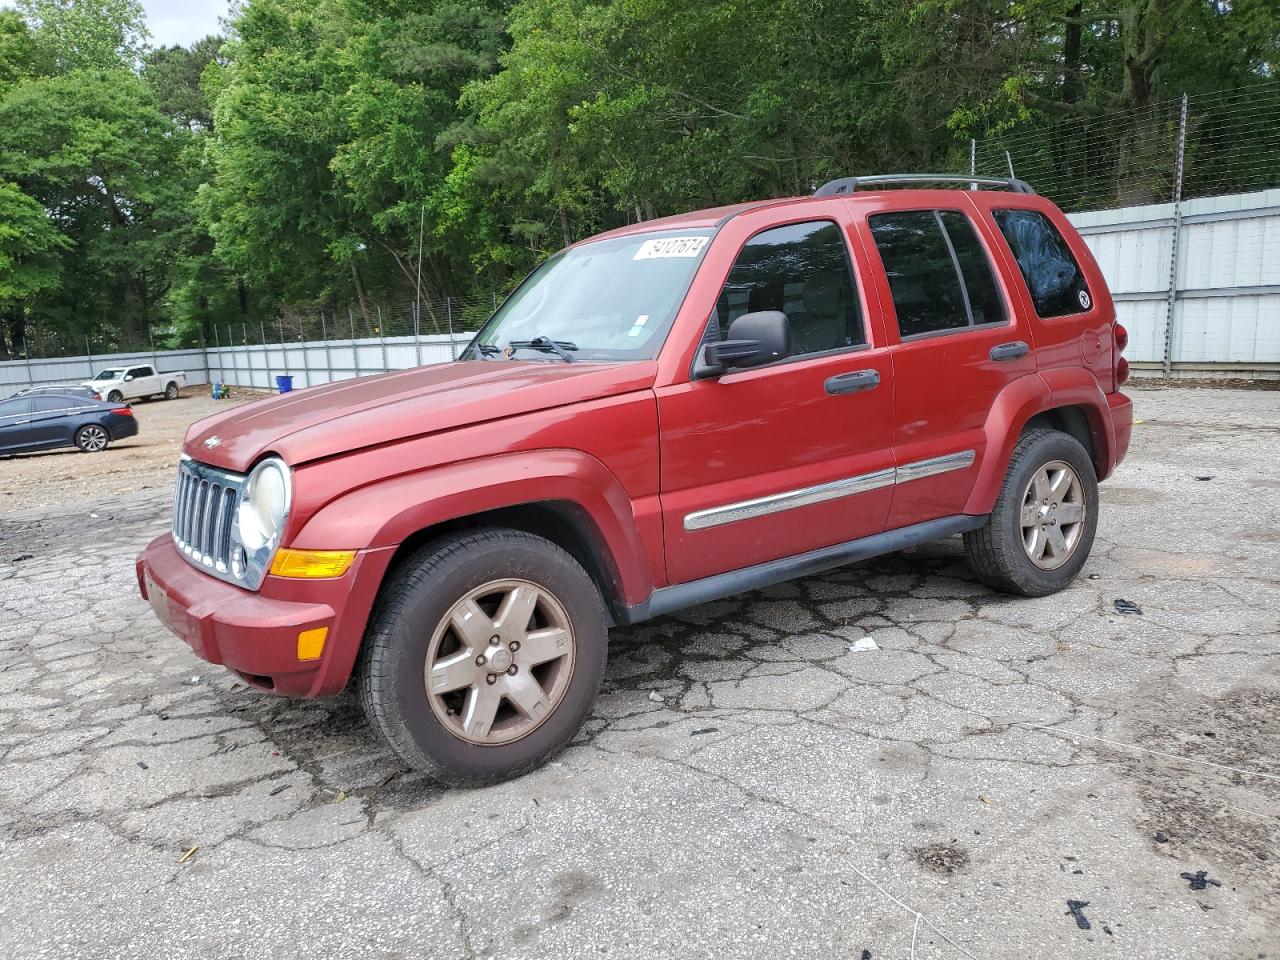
{"x": 1197, "y": 145}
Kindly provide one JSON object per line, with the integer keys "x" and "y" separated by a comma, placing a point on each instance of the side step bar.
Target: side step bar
{"x": 681, "y": 595}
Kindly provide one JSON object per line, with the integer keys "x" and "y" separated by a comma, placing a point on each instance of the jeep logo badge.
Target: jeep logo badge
{"x": 213, "y": 441}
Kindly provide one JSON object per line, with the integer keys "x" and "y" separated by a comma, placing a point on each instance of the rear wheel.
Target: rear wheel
{"x": 92, "y": 438}
{"x": 115, "y": 396}
{"x": 1041, "y": 529}
{"x": 171, "y": 391}
{"x": 484, "y": 655}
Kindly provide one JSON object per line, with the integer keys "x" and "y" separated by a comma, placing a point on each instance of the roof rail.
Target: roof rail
{"x": 850, "y": 184}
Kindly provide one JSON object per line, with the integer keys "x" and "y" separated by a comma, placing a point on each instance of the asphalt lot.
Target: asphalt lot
{"x": 747, "y": 786}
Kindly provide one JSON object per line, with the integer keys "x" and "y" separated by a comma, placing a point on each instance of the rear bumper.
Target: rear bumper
{"x": 1121, "y": 410}
{"x": 121, "y": 427}
{"x": 256, "y": 634}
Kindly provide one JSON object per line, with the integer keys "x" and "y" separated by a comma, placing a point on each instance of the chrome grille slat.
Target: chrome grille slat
{"x": 197, "y": 520}
{"x": 183, "y": 524}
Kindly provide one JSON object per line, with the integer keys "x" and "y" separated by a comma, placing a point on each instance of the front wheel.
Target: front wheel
{"x": 115, "y": 396}
{"x": 92, "y": 438}
{"x": 484, "y": 655}
{"x": 1041, "y": 529}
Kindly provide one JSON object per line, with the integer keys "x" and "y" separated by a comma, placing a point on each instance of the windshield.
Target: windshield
{"x": 606, "y": 300}
{"x": 109, "y": 375}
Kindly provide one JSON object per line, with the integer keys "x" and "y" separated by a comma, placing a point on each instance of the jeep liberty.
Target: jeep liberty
{"x": 659, "y": 416}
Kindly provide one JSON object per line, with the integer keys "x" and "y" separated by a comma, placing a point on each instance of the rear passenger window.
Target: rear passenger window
{"x": 803, "y": 270}
{"x": 1053, "y": 277}
{"x": 46, "y": 404}
{"x": 938, "y": 272}
{"x": 985, "y": 303}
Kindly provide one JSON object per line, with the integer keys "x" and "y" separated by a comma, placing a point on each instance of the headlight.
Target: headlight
{"x": 264, "y": 505}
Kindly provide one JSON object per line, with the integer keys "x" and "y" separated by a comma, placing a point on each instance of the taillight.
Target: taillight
{"x": 97, "y": 395}
{"x": 123, "y": 411}
{"x": 1122, "y": 365}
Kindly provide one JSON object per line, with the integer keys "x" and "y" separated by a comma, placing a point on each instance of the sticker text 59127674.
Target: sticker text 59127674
{"x": 665, "y": 247}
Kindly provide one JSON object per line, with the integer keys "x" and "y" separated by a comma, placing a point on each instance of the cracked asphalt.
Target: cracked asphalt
{"x": 747, "y": 786}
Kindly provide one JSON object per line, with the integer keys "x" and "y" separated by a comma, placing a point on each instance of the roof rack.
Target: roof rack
{"x": 850, "y": 184}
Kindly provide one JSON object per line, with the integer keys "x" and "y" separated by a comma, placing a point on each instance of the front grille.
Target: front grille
{"x": 204, "y": 510}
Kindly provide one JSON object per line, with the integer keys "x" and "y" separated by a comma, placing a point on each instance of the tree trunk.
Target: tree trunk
{"x": 18, "y": 331}
{"x": 364, "y": 304}
{"x": 1071, "y": 80}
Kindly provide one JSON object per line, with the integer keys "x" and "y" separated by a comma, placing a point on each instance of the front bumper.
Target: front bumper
{"x": 256, "y": 634}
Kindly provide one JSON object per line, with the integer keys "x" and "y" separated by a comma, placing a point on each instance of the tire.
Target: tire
{"x": 1004, "y": 551}
{"x": 449, "y": 730}
{"x": 115, "y": 396}
{"x": 171, "y": 391}
{"x": 92, "y": 438}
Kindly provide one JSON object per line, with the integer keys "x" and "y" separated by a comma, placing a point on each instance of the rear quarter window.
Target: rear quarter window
{"x": 1053, "y": 277}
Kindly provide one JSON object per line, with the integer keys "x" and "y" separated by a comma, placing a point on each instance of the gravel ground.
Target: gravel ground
{"x": 135, "y": 465}
{"x": 747, "y": 785}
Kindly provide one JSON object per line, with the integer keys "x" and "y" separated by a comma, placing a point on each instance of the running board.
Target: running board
{"x": 681, "y": 595}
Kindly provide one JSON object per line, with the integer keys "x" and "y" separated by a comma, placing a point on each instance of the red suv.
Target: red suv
{"x": 659, "y": 416}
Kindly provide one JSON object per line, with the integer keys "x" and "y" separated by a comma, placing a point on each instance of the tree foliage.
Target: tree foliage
{"x": 309, "y": 157}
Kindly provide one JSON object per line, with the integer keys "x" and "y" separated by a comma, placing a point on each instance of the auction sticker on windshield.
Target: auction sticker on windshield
{"x": 665, "y": 247}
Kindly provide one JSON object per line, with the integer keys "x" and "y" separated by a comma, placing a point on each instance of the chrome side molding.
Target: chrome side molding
{"x": 832, "y": 490}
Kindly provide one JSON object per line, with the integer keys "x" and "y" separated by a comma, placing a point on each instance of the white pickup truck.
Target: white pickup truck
{"x": 134, "y": 383}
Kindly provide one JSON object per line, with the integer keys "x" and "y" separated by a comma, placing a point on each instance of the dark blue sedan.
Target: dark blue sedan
{"x": 42, "y": 421}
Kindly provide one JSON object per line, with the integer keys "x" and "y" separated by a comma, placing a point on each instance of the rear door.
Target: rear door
{"x": 773, "y": 461}
{"x": 15, "y": 424}
{"x": 959, "y": 343}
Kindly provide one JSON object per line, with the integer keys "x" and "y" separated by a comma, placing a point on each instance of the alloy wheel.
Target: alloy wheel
{"x": 92, "y": 439}
{"x": 499, "y": 662}
{"x": 1053, "y": 515}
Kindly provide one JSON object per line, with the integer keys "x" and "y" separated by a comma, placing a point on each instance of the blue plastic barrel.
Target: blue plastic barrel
{"x": 217, "y": 389}
{"x": 285, "y": 384}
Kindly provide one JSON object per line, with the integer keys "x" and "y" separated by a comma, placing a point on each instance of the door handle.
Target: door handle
{"x": 1010, "y": 351}
{"x": 853, "y": 382}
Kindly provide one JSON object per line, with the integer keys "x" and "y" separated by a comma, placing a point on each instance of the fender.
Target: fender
{"x": 1019, "y": 402}
{"x": 1078, "y": 387}
{"x": 386, "y": 513}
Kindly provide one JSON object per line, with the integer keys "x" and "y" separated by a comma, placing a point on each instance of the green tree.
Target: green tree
{"x": 174, "y": 75}
{"x": 91, "y": 149}
{"x": 29, "y": 248}
{"x": 85, "y": 34}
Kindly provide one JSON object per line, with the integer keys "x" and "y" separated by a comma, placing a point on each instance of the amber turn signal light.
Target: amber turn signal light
{"x": 311, "y": 564}
{"x": 311, "y": 643}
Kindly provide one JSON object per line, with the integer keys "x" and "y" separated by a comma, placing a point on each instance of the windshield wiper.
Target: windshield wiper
{"x": 560, "y": 348}
{"x": 488, "y": 349}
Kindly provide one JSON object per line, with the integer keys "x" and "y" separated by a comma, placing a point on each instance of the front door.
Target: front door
{"x": 15, "y": 425}
{"x": 769, "y": 462}
{"x": 959, "y": 345}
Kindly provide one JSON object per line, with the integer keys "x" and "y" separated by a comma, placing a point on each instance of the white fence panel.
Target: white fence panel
{"x": 1226, "y": 307}
{"x": 1227, "y": 294}
{"x": 16, "y": 374}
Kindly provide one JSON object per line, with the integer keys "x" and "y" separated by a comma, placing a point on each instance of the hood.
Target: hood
{"x": 340, "y": 417}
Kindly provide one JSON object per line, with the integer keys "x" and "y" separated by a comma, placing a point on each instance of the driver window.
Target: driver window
{"x": 803, "y": 270}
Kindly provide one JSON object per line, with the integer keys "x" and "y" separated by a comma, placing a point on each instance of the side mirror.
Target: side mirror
{"x": 128, "y": 377}
{"x": 754, "y": 339}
